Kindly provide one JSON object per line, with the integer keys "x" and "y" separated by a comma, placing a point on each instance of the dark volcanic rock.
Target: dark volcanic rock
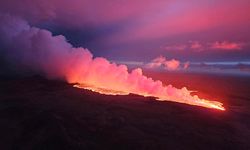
{"x": 36, "y": 113}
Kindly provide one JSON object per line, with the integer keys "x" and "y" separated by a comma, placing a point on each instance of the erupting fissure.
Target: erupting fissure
{"x": 193, "y": 100}
{"x": 100, "y": 90}
{"x": 39, "y": 51}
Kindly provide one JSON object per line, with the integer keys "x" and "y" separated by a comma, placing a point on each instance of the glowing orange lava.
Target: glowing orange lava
{"x": 187, "y": 99}
{"x": 100, "y": 90}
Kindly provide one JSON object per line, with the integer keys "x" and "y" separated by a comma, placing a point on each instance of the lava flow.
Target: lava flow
{"x": 188, "y": 99}
{"x": 100, "y": 90}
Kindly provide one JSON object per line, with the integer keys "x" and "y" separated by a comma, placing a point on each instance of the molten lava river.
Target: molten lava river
{"x": 183, "y": 96}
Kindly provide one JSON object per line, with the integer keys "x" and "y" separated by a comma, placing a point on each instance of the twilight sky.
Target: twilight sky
{"x": 141, "y": 30}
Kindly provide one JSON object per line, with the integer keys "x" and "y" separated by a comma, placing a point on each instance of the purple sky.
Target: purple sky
{"x": 140, "y": 30}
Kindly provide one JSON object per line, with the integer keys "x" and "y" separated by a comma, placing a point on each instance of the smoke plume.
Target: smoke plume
{"x": 39, "y": 51}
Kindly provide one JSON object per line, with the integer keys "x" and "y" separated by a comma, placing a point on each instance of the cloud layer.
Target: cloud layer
{"x": 225, "y": 45}
{"x": 197, "y": 46}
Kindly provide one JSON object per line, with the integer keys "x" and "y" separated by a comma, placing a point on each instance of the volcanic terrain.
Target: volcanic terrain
{"x": 42, "y": 114}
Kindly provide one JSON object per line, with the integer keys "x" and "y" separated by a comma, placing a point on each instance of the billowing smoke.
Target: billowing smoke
{"x": 41, "y": 52}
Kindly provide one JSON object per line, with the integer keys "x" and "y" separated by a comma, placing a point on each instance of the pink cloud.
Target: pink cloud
{"x": 161, "y": 61}
{"x": 225, "y": 45}
{"x": 157, "y": 62}
{"x": 172, "y": 64}
{"x": 197, "y": 46}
